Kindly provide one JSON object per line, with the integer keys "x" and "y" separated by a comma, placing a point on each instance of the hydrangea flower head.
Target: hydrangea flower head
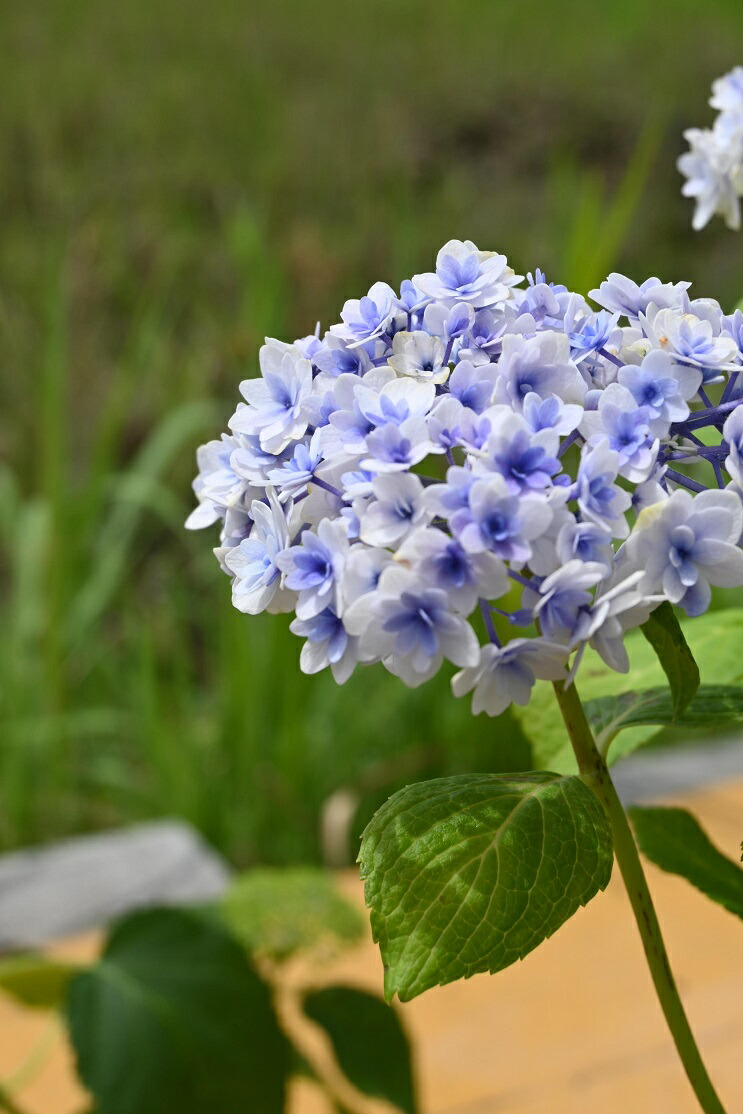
{"x": 485, "y": 473}
{"x": 713, "y": 165}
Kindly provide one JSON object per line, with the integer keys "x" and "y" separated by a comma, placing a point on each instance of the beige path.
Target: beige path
{"x": 574, "y": 1029}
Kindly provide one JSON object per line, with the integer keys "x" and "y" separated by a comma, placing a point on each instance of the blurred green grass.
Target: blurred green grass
{"x": 178, "y": 180}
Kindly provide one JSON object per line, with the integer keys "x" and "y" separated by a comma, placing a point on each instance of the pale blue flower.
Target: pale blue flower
{"x": 397, "y": 448}
{"x": 544, "y": 301}
{"x": 599, "y": 498}
{"x": 335, "y": 357}
{"x": 454, "y": 495}
{"x": 295, "y": 473}
{"x": 367, "y": 317}
{"x": 412, "y": 300}
{"x": 419, "y": 355}
{"x": 617, "y": 608}
{"x": 727, "y": 91}
{"x": 506, "y": 675}
{"x": 443, "y": 563}
{"x": 626, "y": 426}
{"x": 445, "y": 423}
{"x": 538, "y": 365}
{"x": 521, "y": 457}
{"x": 349, "y": 423}
{"x": 254, "y": 563}
{"x": 448, "y": 322}
{"x": 588, "y": 333}
{"x": 362, "y": 571}
{"x": 731, "y": 326}
{"x": 277, "y": 402}
{"x": 398, "y": 507}
{"x": 396, "y": 401}
{"x": 663, "y": 387}
{"x": 314, "y": 567}
{"x": 473, "y": 384}
{"x": 732, "y": 431}
{"x": 485, "y": 334}
{"x": 687, "y": 543}
{"x": 585, "y": 540}
{"x": 328, "y": 644}
{"x": 550, "y": 413}
{"x": 712, "y": 168}
{"x": 465, "y": 274}
{"x": 622, "y": 295}
{"x": 410, "y": 628}
{"x": 499, "y": 521}
{"x": 696, "y": 340}
{"x": 563, "y": 595}
{"x": 217, "y": 486}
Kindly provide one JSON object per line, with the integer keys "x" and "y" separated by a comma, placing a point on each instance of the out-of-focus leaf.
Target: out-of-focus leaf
{"x": 714, "y": 706}
{"x": 369, "y": 1042}
{"x": 174, "y": 1018}
{"x": 277, "y": 912}
{"x": 35, "y": 980}
{"x": 674, "y": 840}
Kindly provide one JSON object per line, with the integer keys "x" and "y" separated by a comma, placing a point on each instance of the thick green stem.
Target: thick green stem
{"x": 593, "y": 770}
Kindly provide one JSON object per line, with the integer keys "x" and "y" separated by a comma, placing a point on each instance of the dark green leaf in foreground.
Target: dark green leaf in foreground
{"x": 674, "y": 840}
{"x": 368, "y": 1040}
{"x": 665, "y": 635}
{"x": 468, "y": 874}
{"x": 35, "y": 980}
{"x": 173, "y": 1018}
{"x": 714, "y": 706}
{"x": 277, "y": 912}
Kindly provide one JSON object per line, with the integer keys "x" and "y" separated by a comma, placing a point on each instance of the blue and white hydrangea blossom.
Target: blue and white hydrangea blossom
{"x": 713, "y": 165}
{"x": 487, "y": 472}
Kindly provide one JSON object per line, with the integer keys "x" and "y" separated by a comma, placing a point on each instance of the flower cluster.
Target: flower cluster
{"x": 485, "y": 471}
{"x": 714, "y": 163}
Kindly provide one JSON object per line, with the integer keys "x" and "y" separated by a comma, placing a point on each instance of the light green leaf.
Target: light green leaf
{"x": 468, "y": 874}
{"x": 714, "y": 706}
{"x": 711, "y": 638}
{"x": 674, "y": 840}
{"x": 277, "y": 912}
{"x": 664, "y": 634}
{"x": 369, "y": 1042}
{"x": 35, "y": 980}
{"x": 173, "y": 1017}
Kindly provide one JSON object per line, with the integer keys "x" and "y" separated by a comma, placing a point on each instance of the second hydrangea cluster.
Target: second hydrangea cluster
{"x": 713, "y": 166}
{"x": 487, "y": 471}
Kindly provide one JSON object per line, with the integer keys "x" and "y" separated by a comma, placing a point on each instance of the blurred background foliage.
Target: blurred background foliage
{"x": 179, "y": 179}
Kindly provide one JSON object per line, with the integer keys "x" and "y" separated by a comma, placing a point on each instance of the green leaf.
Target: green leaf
{"x": 35, "y": 980}
{"x": 714, "y": 706}
{"x": 467, "y": 874}
{"x": 173, "y": 1017}
{"x": 369, "y": 1042}
{"x": 664, "y": 634}
{"x": 277, "y": 912}
{"x": 674, "y": 840}
{"x": 712, "y": 638}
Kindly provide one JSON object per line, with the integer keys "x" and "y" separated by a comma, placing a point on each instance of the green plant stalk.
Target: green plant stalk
{"x": 595, "y": 773}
